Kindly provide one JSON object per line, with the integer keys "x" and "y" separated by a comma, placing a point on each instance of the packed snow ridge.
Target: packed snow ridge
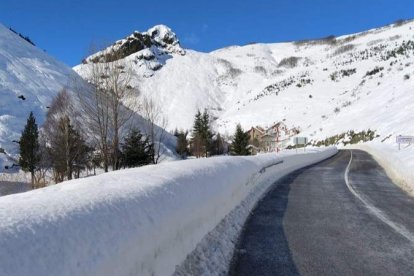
{"x": 143, "y": 221}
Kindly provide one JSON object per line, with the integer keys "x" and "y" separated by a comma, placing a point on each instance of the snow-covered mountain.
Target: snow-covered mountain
{"x": 29, "y": 79}
{"x": 325, "y": 87}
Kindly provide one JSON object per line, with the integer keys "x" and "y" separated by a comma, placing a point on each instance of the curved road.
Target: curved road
{"x": 343, "y": 216}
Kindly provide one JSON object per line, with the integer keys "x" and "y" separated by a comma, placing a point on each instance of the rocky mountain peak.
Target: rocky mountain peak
{"x": 159, "y": 40}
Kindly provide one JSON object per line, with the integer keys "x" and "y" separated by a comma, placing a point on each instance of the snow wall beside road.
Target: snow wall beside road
{"x": 142, "y": 221}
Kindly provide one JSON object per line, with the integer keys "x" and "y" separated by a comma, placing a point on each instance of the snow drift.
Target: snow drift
{"x": 142, "y": 221}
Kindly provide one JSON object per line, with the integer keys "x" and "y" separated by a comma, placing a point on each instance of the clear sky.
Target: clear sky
{"x": 67, "y": 28}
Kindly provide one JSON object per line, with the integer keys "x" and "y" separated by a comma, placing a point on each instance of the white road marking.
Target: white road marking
{"x": 377, "y": 212}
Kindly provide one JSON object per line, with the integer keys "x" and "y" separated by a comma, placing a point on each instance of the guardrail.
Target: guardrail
{"x": 271, "y": 165}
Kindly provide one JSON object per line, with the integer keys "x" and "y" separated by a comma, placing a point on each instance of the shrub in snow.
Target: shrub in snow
{"x": 406, "y": 48}
{"x": 344, "y": 48}
{"x": 400, "y": 22}
{"x": 289, "y": 62}
{"x": 374, "y": 71}
{"x": 260, "y": 70}
{"x": 348, "y": 138}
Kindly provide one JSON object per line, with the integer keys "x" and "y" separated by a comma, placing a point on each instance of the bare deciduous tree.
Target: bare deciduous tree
{"x": 68, "y": 149}
{"x": 109, "y": 103}
{"x": 45, "y": 163}
{"x": 64, "y": 144}
{"x": 155, "y": 124}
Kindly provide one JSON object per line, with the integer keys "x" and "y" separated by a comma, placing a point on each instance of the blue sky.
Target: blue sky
{"x": 67, "y": 28}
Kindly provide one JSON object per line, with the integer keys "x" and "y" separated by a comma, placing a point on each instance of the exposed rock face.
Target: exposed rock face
{"x": 157, "y": 41}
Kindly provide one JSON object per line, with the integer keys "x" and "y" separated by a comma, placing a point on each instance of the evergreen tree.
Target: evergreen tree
{"x": 176, "y": 133}
{"x": 202, "y": 135}
{"x": 240, "y": 142}
{"x": 217, "y": 145}
{"x": 198, "y": 123}
{"x": 196, "y": 141}
{"x": 29, "y": 147}
{"x": 136, "y": 151}
{"x": 182, "y": 143}
{"x": 206, "y": 134}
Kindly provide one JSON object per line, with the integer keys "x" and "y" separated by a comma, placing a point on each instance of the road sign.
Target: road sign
{"x": 404, "y": 139}
{"x": 300, "y": 140}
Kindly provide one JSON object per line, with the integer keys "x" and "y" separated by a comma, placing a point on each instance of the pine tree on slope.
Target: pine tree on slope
{"x": 182, "y": 143}
{"x": 240, "y": 142}
{"x": 197, "y": 140}
{"x": 29, "y": 147}
{"x": 206, "y": 133}
{"x": 136, "y": 151}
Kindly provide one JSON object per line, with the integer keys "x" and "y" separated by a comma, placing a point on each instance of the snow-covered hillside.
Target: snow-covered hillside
{"x": 29, "y": 79}
{"x": 325, "y": 87}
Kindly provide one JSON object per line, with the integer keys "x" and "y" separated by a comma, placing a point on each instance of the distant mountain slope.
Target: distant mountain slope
{"x": 29, "y": 79}
{"x": 324, "y": 86}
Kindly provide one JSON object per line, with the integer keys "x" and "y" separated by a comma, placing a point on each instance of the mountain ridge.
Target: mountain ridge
{"x": 259, "y": 84}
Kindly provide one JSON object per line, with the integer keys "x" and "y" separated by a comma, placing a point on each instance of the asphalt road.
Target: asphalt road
{"x": 338, "y": 217}
{"x": 8, "y": 187}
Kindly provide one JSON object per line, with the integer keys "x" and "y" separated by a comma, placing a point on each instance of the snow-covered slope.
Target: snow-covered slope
{"x": 324, "y": 86}
{"x": 29, "y": 79}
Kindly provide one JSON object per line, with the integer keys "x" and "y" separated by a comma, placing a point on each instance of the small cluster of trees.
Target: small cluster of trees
{"x": 108, "y": 136}
{"x": 60, "y": 148}
{"x": 22, "y": 36}
{"x": 204, "y": 142}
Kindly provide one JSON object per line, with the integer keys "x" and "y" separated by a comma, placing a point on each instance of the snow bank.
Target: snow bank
{"x": 214, "y": 253}
{"x": 398, "y": 164}
{"x": 141, "y": 221}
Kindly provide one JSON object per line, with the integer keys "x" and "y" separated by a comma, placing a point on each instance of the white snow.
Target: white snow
{"x": 140, "y": 221}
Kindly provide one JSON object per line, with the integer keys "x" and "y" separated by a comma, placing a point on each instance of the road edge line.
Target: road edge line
{"x": 377, "y": 212}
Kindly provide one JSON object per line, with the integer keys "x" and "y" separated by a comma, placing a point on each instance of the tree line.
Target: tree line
{"x": 203, "y": 142}
{"x": 60, "y": 146}
{"x": 95, "y": 126}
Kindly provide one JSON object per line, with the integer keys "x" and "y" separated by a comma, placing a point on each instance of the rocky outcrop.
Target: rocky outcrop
{"x": 157, "y": 41}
